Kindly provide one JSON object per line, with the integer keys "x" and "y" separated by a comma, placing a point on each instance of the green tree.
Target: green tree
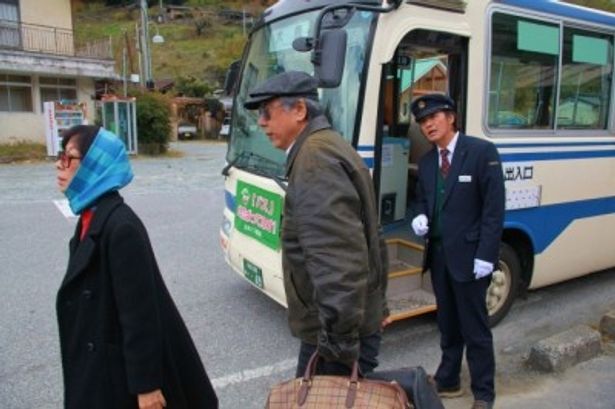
{"x": 192, "y": 87}
{"x": 153, "y": 121}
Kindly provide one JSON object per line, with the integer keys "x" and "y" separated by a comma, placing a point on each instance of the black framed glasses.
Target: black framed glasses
{"x": 65, "y": 159}
{"x": 264, "y": 111}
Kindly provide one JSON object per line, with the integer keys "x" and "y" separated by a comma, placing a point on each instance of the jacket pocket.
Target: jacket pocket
{"x": 472, "y": 236}
{"x": 117, "y": 377}
{"x": 295, "y": 290}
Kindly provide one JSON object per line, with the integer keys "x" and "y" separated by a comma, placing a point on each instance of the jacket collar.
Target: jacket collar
{"x": 81, "y": 251}
{"x": 317, "y": 124}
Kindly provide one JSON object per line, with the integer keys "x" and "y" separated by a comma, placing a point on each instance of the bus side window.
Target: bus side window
{"x": 523, "y": 73}
{"x": 586, "y": 80}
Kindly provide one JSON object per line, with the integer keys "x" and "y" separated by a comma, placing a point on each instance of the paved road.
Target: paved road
{"x": 241, "y": 335}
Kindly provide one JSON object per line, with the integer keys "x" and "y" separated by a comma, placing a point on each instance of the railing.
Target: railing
{"x": 50, "y": 40}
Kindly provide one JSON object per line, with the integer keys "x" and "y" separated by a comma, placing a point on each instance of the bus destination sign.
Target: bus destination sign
{"x": 258, "y": 214}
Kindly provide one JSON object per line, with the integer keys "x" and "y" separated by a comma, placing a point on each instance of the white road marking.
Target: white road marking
{"x": 250, "y": 374}
{"x": 64, "y": 208}
{"x": 287, "y": 364}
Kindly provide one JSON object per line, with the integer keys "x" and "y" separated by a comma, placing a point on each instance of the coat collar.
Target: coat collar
{"x": 317, "y": 124}
{"x": 81, "y": 251}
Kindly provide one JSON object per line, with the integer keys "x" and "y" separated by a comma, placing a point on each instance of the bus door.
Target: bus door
{"x": 425, "y": 62}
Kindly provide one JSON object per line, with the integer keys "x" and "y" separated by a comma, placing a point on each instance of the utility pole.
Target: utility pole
{"x": 162, "y": 17}
{"x": 147, "y": 57}
{"x": 140, "y": 54}
{"x": 124, "y": 71}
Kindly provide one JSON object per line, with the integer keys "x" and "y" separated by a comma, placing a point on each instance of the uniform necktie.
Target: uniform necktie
{"x": 445, "y": 165}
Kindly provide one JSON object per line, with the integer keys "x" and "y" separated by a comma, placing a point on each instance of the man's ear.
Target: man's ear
{"x": 301, "y": 111}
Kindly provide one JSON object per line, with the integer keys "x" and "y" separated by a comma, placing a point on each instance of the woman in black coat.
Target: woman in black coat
{"x": 123, "y": 342}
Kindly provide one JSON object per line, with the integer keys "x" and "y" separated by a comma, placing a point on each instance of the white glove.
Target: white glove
{"x": 419, "y": 225}
{"x": 482, "y": 268}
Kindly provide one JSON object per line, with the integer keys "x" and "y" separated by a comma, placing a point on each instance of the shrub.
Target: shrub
{"x": 190, "y": 86}
{"x": 153, "y": 122}
{"x": 20, "y": 151}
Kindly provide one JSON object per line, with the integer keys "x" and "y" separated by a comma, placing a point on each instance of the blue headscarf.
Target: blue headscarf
{"x": 104, "y": 168}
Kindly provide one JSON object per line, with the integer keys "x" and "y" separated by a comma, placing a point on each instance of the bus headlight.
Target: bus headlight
{"x": 226, "y": 226}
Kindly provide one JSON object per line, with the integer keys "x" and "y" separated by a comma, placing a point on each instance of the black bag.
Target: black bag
{"x": 421, "y": 390}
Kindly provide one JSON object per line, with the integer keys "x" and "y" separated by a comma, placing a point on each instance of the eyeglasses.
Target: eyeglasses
{"x": 264, "y": 111}
{"x": 65, "y": 159}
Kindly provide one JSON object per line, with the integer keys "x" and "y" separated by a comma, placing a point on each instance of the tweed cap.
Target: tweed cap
{"x": 430, "y": 103}
{"x": 287, "y": 84}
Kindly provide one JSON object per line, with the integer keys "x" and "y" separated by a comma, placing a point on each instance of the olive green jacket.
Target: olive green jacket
{"x": 334, "y": 258}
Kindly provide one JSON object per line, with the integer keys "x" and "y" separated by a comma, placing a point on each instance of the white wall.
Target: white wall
{"x": 20, "y": 126}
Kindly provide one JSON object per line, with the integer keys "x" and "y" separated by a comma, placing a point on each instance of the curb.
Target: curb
{"x": 607, "y": 324}
{"x": 563, "y": 350}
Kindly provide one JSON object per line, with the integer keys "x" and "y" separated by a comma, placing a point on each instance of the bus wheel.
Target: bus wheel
{"x": 503, "y": 288}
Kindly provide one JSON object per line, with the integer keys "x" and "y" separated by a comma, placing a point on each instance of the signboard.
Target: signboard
{"x": 258, "y": 214}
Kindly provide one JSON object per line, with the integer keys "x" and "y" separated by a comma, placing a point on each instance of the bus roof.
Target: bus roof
{"x": 567, "y": 10}
{"x": 284, "y": 8}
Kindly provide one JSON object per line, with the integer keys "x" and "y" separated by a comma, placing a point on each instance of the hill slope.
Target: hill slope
{"x": 200, "y": 41}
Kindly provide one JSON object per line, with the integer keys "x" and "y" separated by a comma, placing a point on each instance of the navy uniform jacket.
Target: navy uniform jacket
{"x": 473, "y": 209}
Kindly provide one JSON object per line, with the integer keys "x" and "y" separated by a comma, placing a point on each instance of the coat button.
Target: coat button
{"x": 91, "y": 347}
{"x": 69, "y": 303}
{"x": 87, "y": 294}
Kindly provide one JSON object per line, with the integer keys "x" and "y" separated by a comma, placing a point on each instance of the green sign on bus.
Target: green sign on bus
{"x": 258, "y": 214}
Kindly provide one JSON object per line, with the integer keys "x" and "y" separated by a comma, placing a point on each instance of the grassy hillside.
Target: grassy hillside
{"x": 197, "y": 44}
{"x": 200, "y": 45}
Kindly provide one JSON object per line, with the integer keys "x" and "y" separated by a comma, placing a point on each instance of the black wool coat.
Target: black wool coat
{"x": 120, "y": 332}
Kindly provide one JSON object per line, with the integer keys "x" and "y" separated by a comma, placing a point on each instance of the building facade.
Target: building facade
{"x": 41, "y": 61}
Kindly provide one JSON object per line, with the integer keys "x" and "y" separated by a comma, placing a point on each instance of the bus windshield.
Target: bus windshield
{"x": 271, "y": 53}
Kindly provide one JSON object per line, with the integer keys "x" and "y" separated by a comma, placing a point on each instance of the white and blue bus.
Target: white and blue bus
{"x": 533, "y": 76}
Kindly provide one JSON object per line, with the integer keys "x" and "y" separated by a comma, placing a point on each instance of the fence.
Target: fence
{"x": 50, "y": 40}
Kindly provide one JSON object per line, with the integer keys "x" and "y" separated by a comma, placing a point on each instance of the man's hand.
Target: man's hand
{"x": 419, "y": 225}
{"x": 386, "y": 321}
{"x": 342, "y": 349}
{"x": 152, "y": 400}
{"x": 482, "y": 268}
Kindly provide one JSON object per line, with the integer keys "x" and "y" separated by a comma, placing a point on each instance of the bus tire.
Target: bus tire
{"x": 504, "y": 283}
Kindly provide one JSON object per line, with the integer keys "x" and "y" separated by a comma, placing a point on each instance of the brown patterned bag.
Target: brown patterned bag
{"x": 332, "y": 392}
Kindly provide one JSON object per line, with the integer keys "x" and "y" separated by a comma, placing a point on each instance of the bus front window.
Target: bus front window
{"x": 271, "y": 53}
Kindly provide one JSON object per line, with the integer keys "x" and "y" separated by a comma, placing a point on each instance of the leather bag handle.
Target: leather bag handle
{"x": 310, "y": 372}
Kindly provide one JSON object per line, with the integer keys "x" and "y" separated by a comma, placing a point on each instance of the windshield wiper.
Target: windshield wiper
{"x": 248, "y": 156}
{"x": 233, "y": 163}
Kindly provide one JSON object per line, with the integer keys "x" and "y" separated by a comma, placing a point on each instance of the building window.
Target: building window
{"x": 9, "y": 23}
{"x": 58, "y": 89}
{"x": 15, "y": 93}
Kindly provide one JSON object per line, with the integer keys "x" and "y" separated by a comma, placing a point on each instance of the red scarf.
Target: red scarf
{"x": 86, "y": 218}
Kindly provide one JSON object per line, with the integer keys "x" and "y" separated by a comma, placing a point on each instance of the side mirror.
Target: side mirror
{"x": 332, "y": 46}
{"x": 232, "y": 75}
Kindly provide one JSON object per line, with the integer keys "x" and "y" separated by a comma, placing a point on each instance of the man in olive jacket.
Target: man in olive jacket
{"x": 334, "y": 258}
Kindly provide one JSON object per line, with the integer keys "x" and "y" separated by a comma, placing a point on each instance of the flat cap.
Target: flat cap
{"x": 430, "y": 103}
{"x": 287, "y": 84}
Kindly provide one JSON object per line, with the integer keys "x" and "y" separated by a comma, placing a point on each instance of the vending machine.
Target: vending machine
{"x": 60, "y": 115}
